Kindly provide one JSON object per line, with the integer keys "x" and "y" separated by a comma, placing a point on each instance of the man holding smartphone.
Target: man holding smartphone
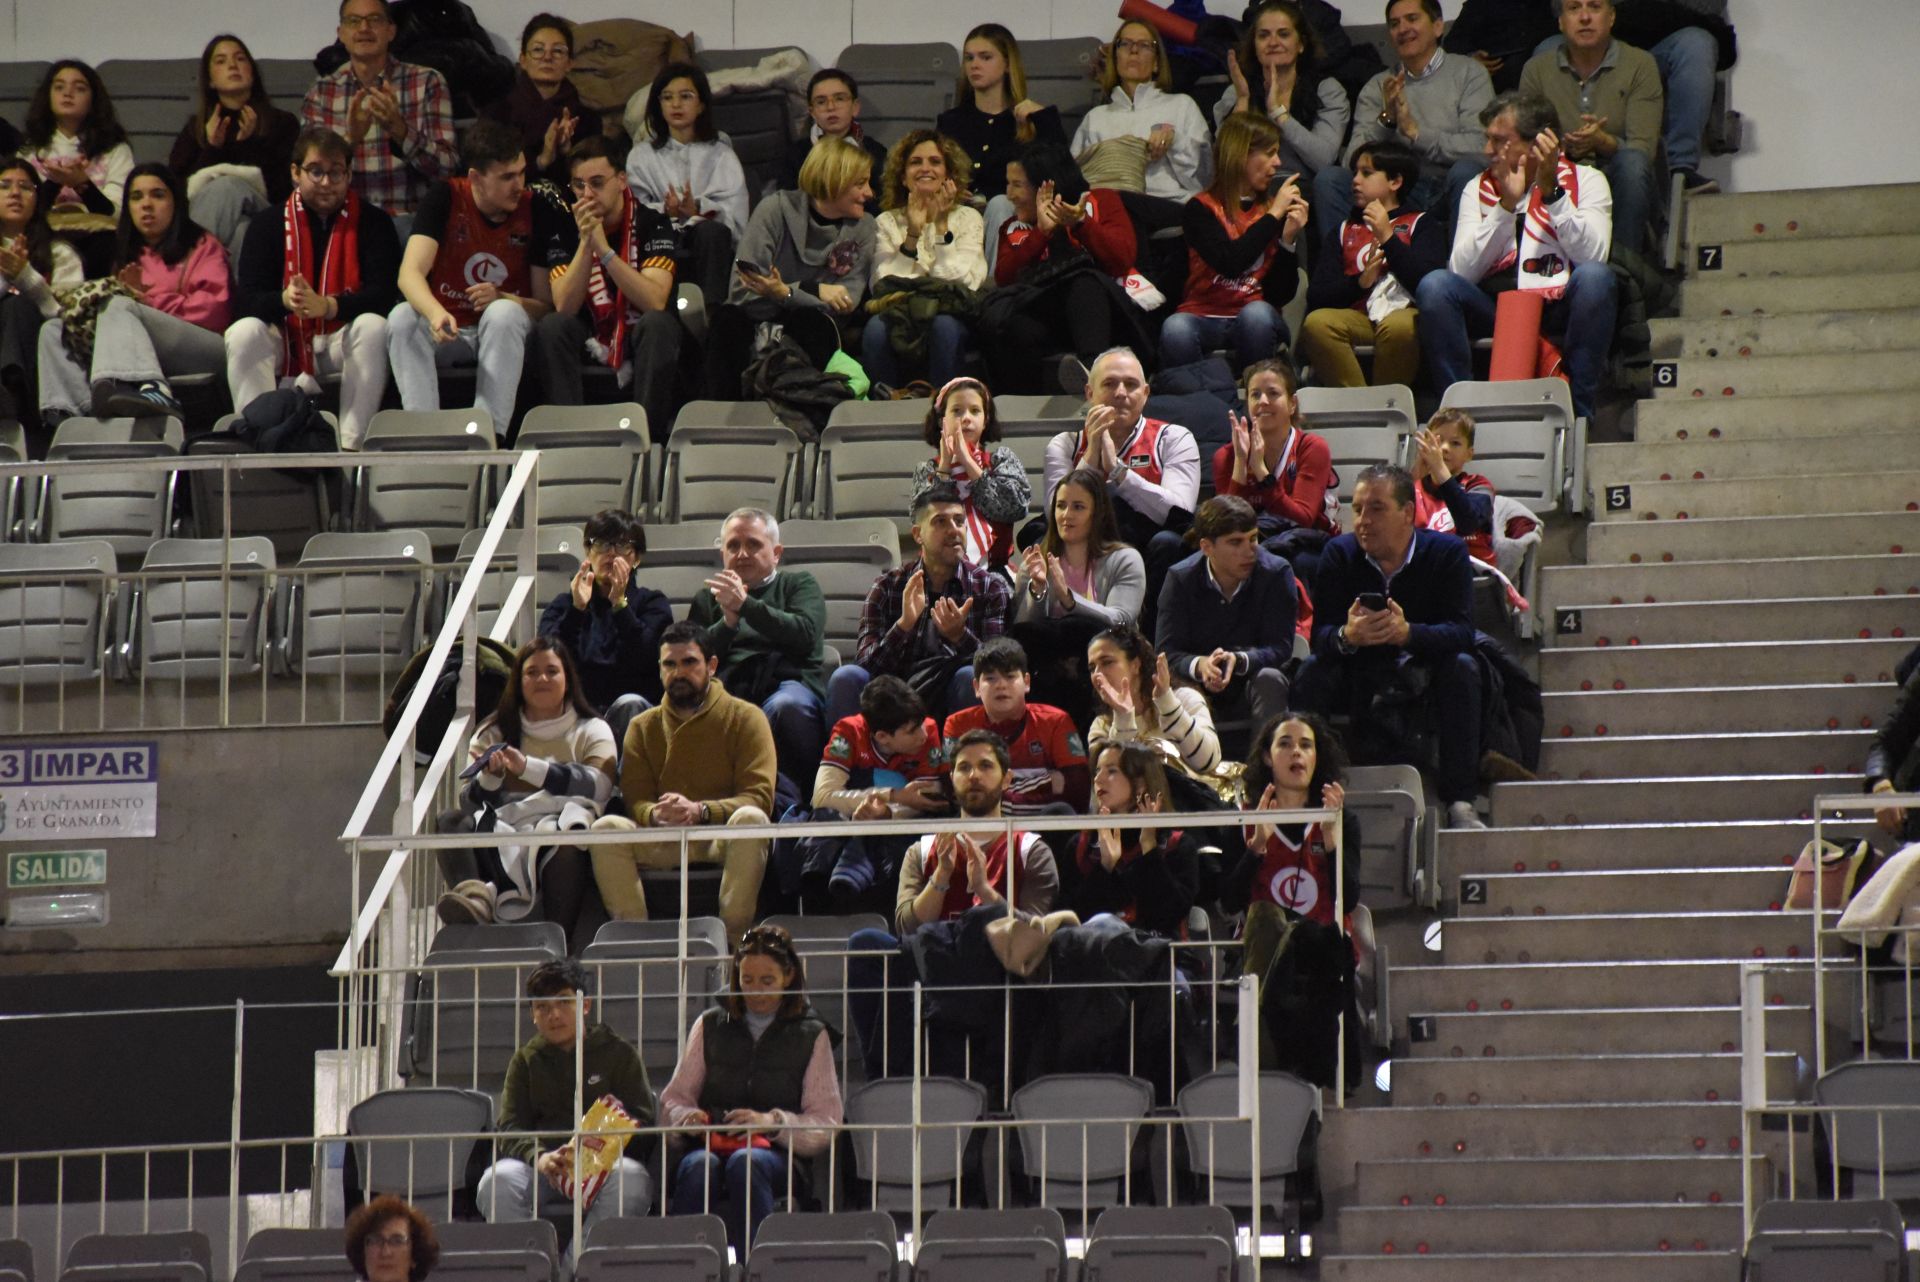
{"x": 1390, "y": 598}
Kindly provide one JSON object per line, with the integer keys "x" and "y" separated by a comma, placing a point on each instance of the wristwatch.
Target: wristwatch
{"x": 1345, "y": 646}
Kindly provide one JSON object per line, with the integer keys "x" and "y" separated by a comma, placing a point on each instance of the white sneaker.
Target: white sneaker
{"x": 1461, "y": 814}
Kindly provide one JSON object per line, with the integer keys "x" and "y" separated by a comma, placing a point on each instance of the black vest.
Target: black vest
{"x": 764, "y": 1075}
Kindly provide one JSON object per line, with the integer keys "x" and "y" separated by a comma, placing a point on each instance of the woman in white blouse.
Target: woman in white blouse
{"x": 1138, "y": 82}
{"x": 926, "y": 232}
{"x": 1276, "y": 74}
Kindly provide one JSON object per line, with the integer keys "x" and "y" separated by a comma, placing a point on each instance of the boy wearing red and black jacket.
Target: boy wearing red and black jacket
{"x": 1049, "y": 772}
{"x": 1446, "y": 498}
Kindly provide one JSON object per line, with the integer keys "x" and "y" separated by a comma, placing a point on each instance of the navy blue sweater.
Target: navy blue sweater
{"x": 1195, "y": 620}
{"x": 616, "y": 652}
{"x": 1434, "y": 589}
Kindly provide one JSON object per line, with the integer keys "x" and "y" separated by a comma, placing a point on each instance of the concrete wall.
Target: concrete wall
{"x": 1805, "y": 129}
{"x": 247, "y": 859}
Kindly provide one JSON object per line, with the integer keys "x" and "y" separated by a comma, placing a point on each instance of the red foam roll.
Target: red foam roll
{"x": 1516, "y": 335}
{"x": 1172, "y": 27}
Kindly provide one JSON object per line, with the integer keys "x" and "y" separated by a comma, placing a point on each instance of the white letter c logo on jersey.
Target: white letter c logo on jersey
{"x": 486, "y": 269}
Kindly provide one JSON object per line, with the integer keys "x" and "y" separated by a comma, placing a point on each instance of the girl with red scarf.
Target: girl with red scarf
{"x": 962, "y": 428}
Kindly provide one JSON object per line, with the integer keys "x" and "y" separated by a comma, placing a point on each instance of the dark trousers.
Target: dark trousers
{"x": 730, "y": 331}
{"x": 705, "y": 258}
{"x": 20, "y": 323}
{"x": 1332, "y": 686}
{"x": 1081, "y": 314}
{"x": 653, "y": 349}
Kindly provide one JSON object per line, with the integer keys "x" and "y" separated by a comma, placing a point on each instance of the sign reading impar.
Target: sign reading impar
{"x": 69, "y": 791}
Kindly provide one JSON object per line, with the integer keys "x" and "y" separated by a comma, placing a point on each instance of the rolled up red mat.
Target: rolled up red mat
{"x": 1516, "y": 335}
{"x": 1172, "y": 28}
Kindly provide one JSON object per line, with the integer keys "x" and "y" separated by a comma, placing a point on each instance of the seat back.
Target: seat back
{"x": 948, "y": 1109}
{"x": 844, "y": 557}
{"x": 1875, "y": 1145}
{"x": 1390, "y": 803}
{"x": 734, "y": 456}
{"x": 1028, "y": 1244}
{"x": 866, "y": 469}
{"x": 303, "y": 1268}
{"x": 359, "y": 603}
{"x": 1063, "y": 72}
{"x": 1220, "y": 1150}
{"x": 562, "y": 548}
{"x": 286, "y": 506}
{"x": 666, "y": 1262}
{"x": 153, "y": 96}
{"x": 292, "y": 1244}
{"x": 902, "y": 87}
{"x": 495, "y": 1266}
{"x": 189, "y": 616}
{"x": 427, "y": 1172}
{"x": 1029, "y": 423}
{"x": 538, "y": 1236}
{"x": 445, "y": 501}
{"x": 1074, "y": 1157}
{"x": 1523, "y": 432}
{"x": 181, "y": 1245}
{"x": 129, "y": 509}
{"x": 53, "y": 629}
{"x": 638, "y": 982}
{"x": 681, "y": 558}
{"x": 592, "y": 457}
{"x": 758, "y": 124}
{"x": 16, "y": 1259}
{"x": 19, "y": 80}
{"x": 464, "y": 1015}
{"x": 822, "y": 941}
{"x": 1362, "y": 425}
{"x": 674, "y": 1230}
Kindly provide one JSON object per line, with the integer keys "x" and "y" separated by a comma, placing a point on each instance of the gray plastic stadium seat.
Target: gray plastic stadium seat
{"x": 1027, "y": 1244}
{"x": 127, "y": 508}
{"x": 592, "y": 457}
{"x": 1061, "y": 72}
{"x": 1220, "y": 1154}
{"x": 464, "y": 1016}
{"x": 1070, "y": 1158}
{"x": 866, "y": 470}
{"x": 844, "y": 557}
{"x": 355, "y": 606}
{"x": 1028, "y": 423}
{"x": 1153, "y": 1243}
{"x": 18, "y": 80}
{"x": 54, "y": 629}
{"x": 1523, "y": 436}
{"x": 758, "y": 123}
{"x": 678, "y": 1248}
{"x": 181, "y": 617}
{"x": 562, "y": 547}
{"x": 681, "y": 558}
{"x": 538, "y": 1236}
{"x": 647, "y": 1230}
{"x": 288, "y": 507}
{"x": 305, "y": 1268}
{"x": 181, "y": 1256}
{"x": 724, "y": 455}
{"x": 639, "y": 975}
{"x": 846, "y": 1246}
{"x": 821, "y": 941}
{"x": 1828, "y": 1241}
{"x": 1866, "y": 1143}
{"x": 153, "y": 96}
{"x": 1362, "y": 425}
{"x": 427, "y": 1172}
{"x": 293, "y": 1244}
{"x": 16, "y": 1259}
{"x": 902, "y": 87}
{"x": 444, "y": 500}
{"x": 1391, "y": 804}
{"x": 884, "y": 1158}
{"x": 494, "y": 1266}
{"x": 13, "y": 449}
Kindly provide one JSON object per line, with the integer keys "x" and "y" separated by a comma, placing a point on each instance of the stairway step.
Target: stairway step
{"x": 1651, "y": 935}
{"x": 1736, "y": 538}
{"x": 1732, "y": 338}
{"x": 1707, "y": 296}
{"x": 1571, "y": 1079}
{"x": 1773, "y": 418}
{"x": 1496, "y": 1181}
{"x": 1826, "y": 615}
{"x": 1676, "y": 756}
{"x": 1532, "y": 1130}
{"x": 1612, "y": 983}
{"x": 1649, "y": 667}
{"x": 1745, "y": 843}
{"x": 1617, "y": 463}
{"x": 1452, "y": 1230}
{"x": 1721, "y": 796}
{"x": 1762, "y": 496}
{"x": 1826, "y": 374}
{"x": 1484, "y": 1037}
{"x": 1801, "y": 255}
{"x": 1568, "y": 586}
{"x": 1728, "y": 709}
{"x": 1540, "y": 893}
{"x": 1610, "y": 1266}
{"x": 1801, "y": 214}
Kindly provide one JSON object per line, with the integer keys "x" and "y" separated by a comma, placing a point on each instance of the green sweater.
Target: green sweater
{"x": 720, "y": 754}
{"x": 779, "y": 637}
{"x": 539, "y": 1091}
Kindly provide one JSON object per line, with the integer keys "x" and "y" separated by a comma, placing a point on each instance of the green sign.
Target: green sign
{"x": 38, "y": 869}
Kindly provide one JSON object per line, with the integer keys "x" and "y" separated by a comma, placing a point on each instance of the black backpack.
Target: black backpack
{"x": 284, "y": 421}
{"x": 493, "y": 668}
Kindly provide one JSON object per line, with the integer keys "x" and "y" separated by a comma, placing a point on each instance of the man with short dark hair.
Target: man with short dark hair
{"x": 833, "y": 109}
{"x": 931, "y": 612}
{"x": 540, "y": 1096}
{"x": 613, "y": 300}
{"x": 1389, "y": 596}
{"x": 313, "y": 289}
{"x": 1227, "y": 614}
{"x": 473, "y": 279}
{"x": 397, "y": 117}
{"x": 610, "y": 622}
{"x": 702, "y": 758}
{"x": 1048, "y": 774}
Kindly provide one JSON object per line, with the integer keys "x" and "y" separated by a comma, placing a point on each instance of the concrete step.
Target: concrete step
{"x": 1451, "y": 1230}
{"x": 1772, "y": 418}
{"x": 1532, "y": 1130}
{"x": 1720, "y": 796}
{"x": 1826, "y": 374}
{"x": 1745, "y": 580}
{"x": 1634, "y": 461}
{"x": 1571, "y": 1079}
{"x": 1676, "y": 756}
{"x": 1540, "y": 893}
{"x": 1823, "y": 615}
{"x": 1745, "y": 843}
{"x": 1806, "y": 334}
{"x": 1763, "y": 496}
{"x": 1890, "y": 531}
{"x": 1612, "y": 984}
{"x": 1713, "y": 1179}
{"x": 1650, "y": 935}
{"x": 1707, "y": 296}
{"x": 1487, "y": 1036}
{"x": 1801, "y": 215}
{"x": 1610, "y": 1266}
{"x": 1802, "y": 255}
{"x": 1727, "y": 710}
{"x": 1646, "y": 667}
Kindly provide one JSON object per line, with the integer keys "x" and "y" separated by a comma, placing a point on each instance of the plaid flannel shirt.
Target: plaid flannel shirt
{"x": 883, "y": 648}
{"x": 392, "y": 177}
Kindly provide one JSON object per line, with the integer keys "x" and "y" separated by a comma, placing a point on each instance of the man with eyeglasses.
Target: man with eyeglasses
{"x": 397, "y": 117}
{"x": 613, "y": 301}
{"x": 315, "y": 284}
{"x": 833, "y": 103}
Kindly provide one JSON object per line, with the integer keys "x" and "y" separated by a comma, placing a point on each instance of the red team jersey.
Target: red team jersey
{"x": 851, "y": 748}
{"x": 1042, "y": 741}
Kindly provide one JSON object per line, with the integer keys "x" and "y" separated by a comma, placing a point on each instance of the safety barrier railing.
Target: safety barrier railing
{"x": 1830, "y": 943}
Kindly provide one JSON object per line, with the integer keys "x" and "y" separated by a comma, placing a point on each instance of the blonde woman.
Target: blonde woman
{"x": 1137, "y": 81}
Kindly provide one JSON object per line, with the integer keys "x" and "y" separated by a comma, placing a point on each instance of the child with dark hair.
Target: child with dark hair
{"x": 612, "y": 623}
{"x": 833, "y": 111}
{"x": 964, "y": 430}
{"x": 1447, "y": 497}
{"x": 1048, "y": 774}
{"x": 684, "y": 169}
{"x": 76, "y": 142}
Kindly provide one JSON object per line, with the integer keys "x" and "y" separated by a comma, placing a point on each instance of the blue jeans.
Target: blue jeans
{"x": 849, "y": 679}
{"x": 497, "y": 344}
{"x": 869, "y": 953}
{"x": 1454, "y": 311}
{"x": 1637, "y": 194}
{"x": 1687, "y": 60}
{"x": 799, "y": 732}
{"x": 1254, "y": 334}
{"x": 739, "y": 1189}
{"x": 510, "y": 1188}
{"x": 946, "y": 351}
{"x": 1338, "y": 686}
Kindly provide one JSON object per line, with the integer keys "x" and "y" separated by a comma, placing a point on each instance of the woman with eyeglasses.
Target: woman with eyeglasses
{"x": 388, "y": 1240}
{"x": 1137, "y": 78}
{"x": 32, "y": 266}
{"x": 543, "y": 104}
{"x": 237, "y": 127}
{"x": 758, "y": 1068}
{"x": 683, "y": 168}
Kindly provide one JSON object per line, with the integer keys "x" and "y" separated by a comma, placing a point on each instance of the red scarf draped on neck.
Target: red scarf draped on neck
{"x": 611, "y": 310}
{"x": 339, "y": 272}
{"x": 989, "y": 543}
{"x": 960, "y": 898}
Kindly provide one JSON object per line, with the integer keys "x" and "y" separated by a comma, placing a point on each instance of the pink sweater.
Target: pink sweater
{"x": 197, "y": 288}
{"x": 820, "y": 1107}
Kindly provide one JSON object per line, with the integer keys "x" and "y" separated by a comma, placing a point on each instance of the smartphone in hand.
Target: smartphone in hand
{"x": 1371, "y": 601}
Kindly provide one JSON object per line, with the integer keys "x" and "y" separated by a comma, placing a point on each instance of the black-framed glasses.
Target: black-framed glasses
{"x": 322, "y": 174}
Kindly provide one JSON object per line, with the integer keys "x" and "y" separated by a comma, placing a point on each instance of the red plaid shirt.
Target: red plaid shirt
{"x": 394, "y": 177}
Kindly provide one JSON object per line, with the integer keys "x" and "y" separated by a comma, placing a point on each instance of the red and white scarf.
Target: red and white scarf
{"x": 339, "y": 273}
{"x": 612, "y": 310}
{"x": 1359, "y": 251}
{"x": 1542, "y": 262}
{"x": 989, "y": 543}
{"x": 959, "y": 896}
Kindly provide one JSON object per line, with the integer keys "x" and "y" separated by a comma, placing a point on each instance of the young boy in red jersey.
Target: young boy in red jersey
{"x": 1049, "y": 774}
{"x": 1446, "y": 497}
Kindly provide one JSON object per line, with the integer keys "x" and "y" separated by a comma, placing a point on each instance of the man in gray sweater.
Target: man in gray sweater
{"x": 1431, "y": 102}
